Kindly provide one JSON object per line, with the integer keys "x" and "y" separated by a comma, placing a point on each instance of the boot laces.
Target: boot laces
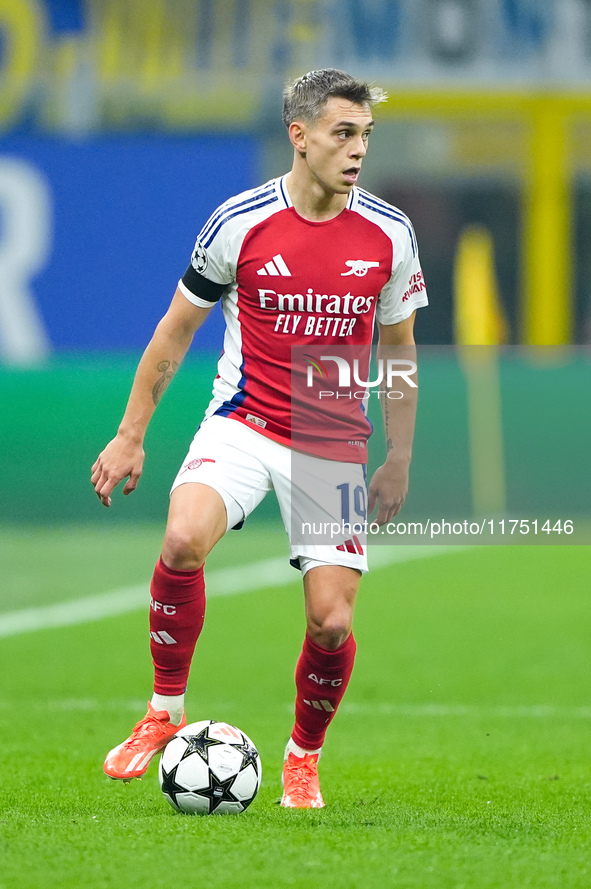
{"x": 148, "y": 727}
{"x": 303, "y": 774}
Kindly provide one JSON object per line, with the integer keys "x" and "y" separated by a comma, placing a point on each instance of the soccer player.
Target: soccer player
{"x": 306, "y": 259}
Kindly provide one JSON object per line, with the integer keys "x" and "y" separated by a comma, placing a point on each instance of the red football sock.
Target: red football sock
{"x": 177, "y": 611}
{"x": 321, "y": 681}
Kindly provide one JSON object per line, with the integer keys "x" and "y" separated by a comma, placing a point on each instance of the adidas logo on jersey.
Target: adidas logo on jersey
{"x": 276, "y": 266}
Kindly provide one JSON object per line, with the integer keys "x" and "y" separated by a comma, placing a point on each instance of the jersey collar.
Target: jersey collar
{"x": 283, "y": 193}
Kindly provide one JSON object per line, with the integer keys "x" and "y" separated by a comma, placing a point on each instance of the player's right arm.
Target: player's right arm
{"x": 123, "y": 457}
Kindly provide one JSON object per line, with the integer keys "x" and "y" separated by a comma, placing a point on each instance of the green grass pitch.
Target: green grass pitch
{"x": 460, "y": 757}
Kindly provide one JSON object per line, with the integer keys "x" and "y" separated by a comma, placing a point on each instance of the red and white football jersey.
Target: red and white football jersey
{"x": 286, "y": 281}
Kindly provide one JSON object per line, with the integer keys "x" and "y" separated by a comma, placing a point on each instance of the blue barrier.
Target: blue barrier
{"x": 100, "y": 230}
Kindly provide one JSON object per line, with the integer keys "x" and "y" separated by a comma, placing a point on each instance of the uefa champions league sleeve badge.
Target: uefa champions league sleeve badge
{"x": 199, "y": 258}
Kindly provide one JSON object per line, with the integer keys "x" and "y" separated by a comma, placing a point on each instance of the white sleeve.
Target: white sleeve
{"x": 405, "y": 291}
{"x": 213, "y": 262}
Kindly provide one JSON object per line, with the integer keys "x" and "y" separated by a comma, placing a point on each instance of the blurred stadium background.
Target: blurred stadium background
{"x": 123, "y": 124}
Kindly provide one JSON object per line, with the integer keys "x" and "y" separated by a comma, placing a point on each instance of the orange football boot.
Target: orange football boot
{"x": 131, "y": 758}
{"x": 301, "y": 789}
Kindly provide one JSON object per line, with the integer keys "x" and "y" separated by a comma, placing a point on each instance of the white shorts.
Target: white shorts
{"x": 243, "y": 466}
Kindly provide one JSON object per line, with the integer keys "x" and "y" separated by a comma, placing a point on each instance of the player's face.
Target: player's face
{"x": 337, "y": 143}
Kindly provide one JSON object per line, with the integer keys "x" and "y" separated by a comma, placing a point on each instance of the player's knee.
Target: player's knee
{"x": 329, "y": 632}
{"x": 184, "y": 549}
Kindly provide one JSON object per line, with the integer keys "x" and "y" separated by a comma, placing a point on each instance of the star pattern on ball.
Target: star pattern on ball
{"x": 200, "y": 744}
{"x": 169, "y": 784}
{"x": 203, "y": 785}
{"x": 249, "y": 755}
{"x": 218, "y": 792}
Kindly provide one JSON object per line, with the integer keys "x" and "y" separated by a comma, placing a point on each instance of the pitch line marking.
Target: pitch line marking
{"x": 501, "y": 711}
{"x": 223, "y": 582}
{"x": 417, "y": 710}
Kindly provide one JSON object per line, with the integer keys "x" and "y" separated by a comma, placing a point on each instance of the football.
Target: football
{"x": 210, "y": 768}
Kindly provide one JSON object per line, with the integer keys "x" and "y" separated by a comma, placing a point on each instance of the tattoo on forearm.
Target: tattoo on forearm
{"x": 389, "y": 442}
{"x": 168, "y": 370}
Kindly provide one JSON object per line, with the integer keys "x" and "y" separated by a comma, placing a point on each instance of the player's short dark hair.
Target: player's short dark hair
{"x": 304, "y": 99}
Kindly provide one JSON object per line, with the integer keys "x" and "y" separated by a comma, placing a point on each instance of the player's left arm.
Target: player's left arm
{"x": 389, "y": 485}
